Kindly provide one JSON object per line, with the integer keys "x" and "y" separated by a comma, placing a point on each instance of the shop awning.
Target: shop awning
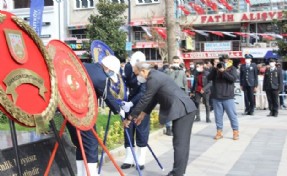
{"x": 147, "y": 21}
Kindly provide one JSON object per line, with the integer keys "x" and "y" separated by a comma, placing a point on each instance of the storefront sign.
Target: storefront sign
{"x": 211, "y": 55}
{"x": 256, "y": 52}
{"x": 236, "y": 17}
{"x": 217, "y": 46}
{"x": 146, "y": 45}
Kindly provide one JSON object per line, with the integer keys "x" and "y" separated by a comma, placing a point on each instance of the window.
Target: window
{"x": 26, "y": 3}
{"x": 82, "y": 4}
{"x": 147, "y": 1}
{"x": 118, "y": 1}
{"x": 150, "y": 53}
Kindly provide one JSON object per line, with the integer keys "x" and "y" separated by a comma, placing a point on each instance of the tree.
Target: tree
{"x": 282, "y": 43}
{"x": 171, "y": 30}
{"x": 105, "y": 26}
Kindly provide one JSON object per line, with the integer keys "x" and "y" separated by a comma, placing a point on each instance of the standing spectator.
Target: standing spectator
{"x": 249, "y": 83}
{"x": 178, "y": 75}
{"x": 261, "y": 99}
{"x": 175, "y": 106}
{"x": 223, "y": 78}
{"x": 282, "y": 96}
{"x": 201, "y": 89}
{"x": 215, "y": 62}
{"x": 272, "y": 85}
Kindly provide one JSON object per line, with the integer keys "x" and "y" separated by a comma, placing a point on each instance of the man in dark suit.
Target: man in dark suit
{"x": 272, "y": 85}
{"x": 175, "y": 106}
{"x": 249, "y": 83}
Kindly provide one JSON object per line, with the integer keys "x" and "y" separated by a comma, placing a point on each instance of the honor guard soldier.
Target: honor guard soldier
{"x": 272, "y": 85}
{"x": 136, "y": 86}
{"x": 249, "y": 83}
{"x": 101, "y": 75}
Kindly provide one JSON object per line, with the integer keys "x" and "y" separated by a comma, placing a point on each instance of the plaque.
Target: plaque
{"x": 27, "y": 78}
{"x": 77, "y": 98}
{"x": 99, "y": 50}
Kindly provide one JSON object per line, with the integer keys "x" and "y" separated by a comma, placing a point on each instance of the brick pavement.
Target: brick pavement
{"x": 261, "y": 150}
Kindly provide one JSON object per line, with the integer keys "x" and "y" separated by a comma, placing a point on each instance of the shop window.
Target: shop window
{"x": 26, "y": 3}
{"x": 82, "y": 4}
{"x": 147, "y": 1}
{"x": 152, "y": 54}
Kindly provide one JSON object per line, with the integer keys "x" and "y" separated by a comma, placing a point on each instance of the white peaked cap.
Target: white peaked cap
{"x": 137, "y": 57}
{"x": 112, "y": 63}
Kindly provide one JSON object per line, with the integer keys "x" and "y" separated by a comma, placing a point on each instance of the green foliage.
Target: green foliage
{"x": 3, "y": 118}
{"x": 282, "y": 44}
{"x": 105, "y": 26}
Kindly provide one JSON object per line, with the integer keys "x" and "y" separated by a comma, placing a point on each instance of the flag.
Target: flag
{"x": 217, "y": 33}
{"x": 201, "y": 32}
{"x": 161, "y": 32}
{"x": 185, "y": 11}
{"x": 267, "y": 37}
{"x": 36, "y": 13}
{"x": 247, "y": 2}
{"x": 229, "y": 34}
{"x": 241, "y": 34}
{"x": 210, "y": 4}
{"x": 199, "y": 10}
{"x": 188, "y": 32}
{"x": 147, "y": 30}
{"x": 226, "y": 5}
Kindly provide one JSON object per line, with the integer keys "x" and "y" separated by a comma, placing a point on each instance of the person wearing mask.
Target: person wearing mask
{"x": 175, "y": 106}
{"x": 201, "y": 89}
{"x": 249, "y": 83}
{"x": 192, "y": 68}
{"x": 272, "y": 85}
{"x": 101, "y": 75}
{"x": 140, "y": 135}
{"x": 215, "y": 62}
{"x": 178, "y": 75}
{"x": 223, "y": 78}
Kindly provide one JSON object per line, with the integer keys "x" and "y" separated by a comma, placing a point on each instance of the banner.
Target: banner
{"x": 36, "y": 13}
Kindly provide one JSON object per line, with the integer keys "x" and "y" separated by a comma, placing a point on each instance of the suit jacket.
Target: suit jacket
{"x": 99, "y": 78}
{"x": 249, "y": 75}
{"x": 205, "y": 81}
{"x": 273, "y": 80}
{"x": 174, "y": 102}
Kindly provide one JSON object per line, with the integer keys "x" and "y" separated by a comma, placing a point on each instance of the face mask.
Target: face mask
{"x": 175, "y": 65}
{"x": 141, "y": 79}
{"x": 199, "y": 69}
{"x": 272, "y": 64}
{"x": 248, "y": 61}
{"x": 192, "y": 66}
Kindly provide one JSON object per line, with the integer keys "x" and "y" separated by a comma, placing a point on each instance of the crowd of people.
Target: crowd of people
{"x": 179, "y": 91}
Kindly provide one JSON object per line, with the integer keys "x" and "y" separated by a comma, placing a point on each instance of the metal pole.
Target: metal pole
{"x": 59, "y": 18}
{"x": 129, "y": 25}
{"x": 105, "y": 140}
{"x": 15, "y": 145}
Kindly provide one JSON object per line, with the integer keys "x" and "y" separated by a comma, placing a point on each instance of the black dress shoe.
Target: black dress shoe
{"x": 141, "y": 167}
{"x": 245, "y": 113}
{"x": 126, "y": 166}
{"x": 270, "y": 114}
{"x": 275, "y": 114}
{"x": 251, "y": 113}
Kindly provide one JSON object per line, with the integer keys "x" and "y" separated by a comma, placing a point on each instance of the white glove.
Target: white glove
{"x": 127, "y": 106}
{"x": 122, "y": 113}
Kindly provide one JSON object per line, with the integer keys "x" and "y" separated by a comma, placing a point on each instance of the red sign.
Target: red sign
{"x": 242, "y": 17}
{"x": 146, "y": 45}
{"x": 211, "y": 55}
{"x": 146, "y": 21}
